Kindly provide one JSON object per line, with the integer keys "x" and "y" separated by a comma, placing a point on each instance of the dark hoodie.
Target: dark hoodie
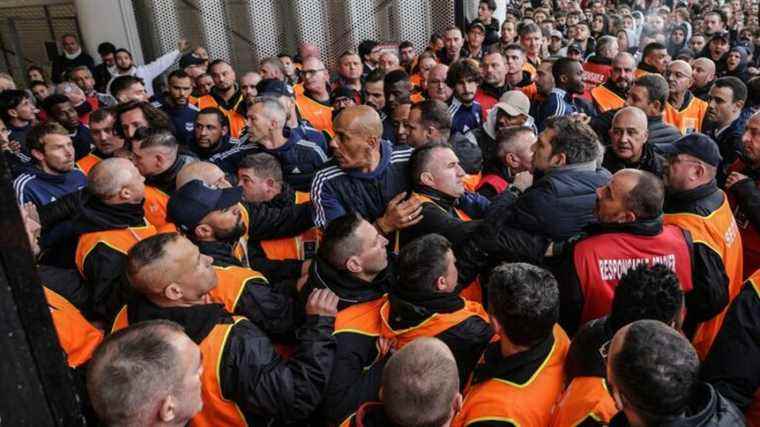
{"x": 740, "y": 72}
{"x": 439, "y": 216}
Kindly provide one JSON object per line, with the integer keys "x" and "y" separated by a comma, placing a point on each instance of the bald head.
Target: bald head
{"x": 436, "y": 83}
{"x": 108, "y": 178}
{"x": 703, "y": 72}
{"x": 632, "y": 115}
{"x": 360, "y": 119}
{"x": 207, "y": 172}
{"x": 423, "y": 374}
{"x": 625, "y": 58}
{"x": 679, "y": 77}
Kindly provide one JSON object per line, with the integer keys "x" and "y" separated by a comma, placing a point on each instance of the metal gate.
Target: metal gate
{"x": 28, "y": 35}
{"x": 246, "y": 31}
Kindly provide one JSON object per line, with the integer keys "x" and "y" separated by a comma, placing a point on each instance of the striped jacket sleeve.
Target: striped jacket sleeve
{"x": 327, "y": 206}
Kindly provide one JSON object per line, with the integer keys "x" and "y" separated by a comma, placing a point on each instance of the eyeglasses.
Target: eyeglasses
{"x": 309, "y": 73}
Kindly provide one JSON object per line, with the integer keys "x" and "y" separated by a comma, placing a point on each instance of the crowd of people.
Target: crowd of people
{"x": 548, "y": 222}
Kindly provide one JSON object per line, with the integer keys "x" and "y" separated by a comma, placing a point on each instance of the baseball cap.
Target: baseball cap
{"x": 725, "y": 35}
{"x": 700, "y": 146}
{"x": 555, "y": 33}
{"x": 190, "y": 59}
{"x": 576, "y": 47}
{"x": 514, "y": 103}
{"x": 194, "y": 200}
{"x": 476, "y": 23}
{"x": 274, "y": 87}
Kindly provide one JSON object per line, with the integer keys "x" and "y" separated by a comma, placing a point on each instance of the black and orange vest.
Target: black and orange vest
{"x": 318, "y": 114}
{"x": 155, "y": 209}
{"x": 77, "y": 336}
{"x": 605, "y": 99}
{"x": 237, "y": 120}
{"x": 750, "y": 234}
{"x": 719, "y": 232}
{"x": 362, "y": 318}
{"x": 601, "y": 260}
{"x": 753, "y": 411}
{"x": 435, "y": 325}
{"x": 526, "y": 405}
{"x": 301, "y": 247}
{"x": 585, "y": 398}
{"x": 688, "y": 120}
{"x": 88, "y": 162}
{"x": 473, "y": 291}
{"x": 217, "y": 411}
{"x": 230, "y": 286}
{"x": 120, "y": 240}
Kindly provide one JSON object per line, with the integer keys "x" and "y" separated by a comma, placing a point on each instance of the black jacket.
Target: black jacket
{"x": 104, "y": 268}
{"x": 747, "y": 194}
{"x": 702, "y": 92}
{"x": 583, "y": 358}
{"x": 102, "y": 77}
{"x": 268, "y": 389}
{"x": 268, "y": 305}
{"x": 733, "y": 364}
{"x": 277, "y": 218}
{"x": 166, "y": 181}
{"x": 708, "y": 409}
{"x": 730, "y": 145}
{"x": 558, "y": 204}
{"x": 371, "y": 414}
{"x": 438, "y": 216}
{"x": 467, "y": 340}
{"x": 650, "y": 161}
{"x": 357, "y": 372}
{"x": 708, "y": 270}
{"x": 62, "y": 65}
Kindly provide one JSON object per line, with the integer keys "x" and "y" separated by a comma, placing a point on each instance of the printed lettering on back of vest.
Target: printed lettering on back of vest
{"x": 614, "y": 269}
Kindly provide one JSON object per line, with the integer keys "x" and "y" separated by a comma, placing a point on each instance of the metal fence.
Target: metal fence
{"x": 28, "y": 36}
{"x": 246, "y": 31}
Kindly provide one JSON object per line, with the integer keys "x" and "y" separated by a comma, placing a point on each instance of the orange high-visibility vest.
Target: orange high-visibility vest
{"x": 605, "y": 99}
{"x": 433, "y": 326}
{"x": 120, "y": 240}
{"x": 300, "y": 247}
{"x": 688, "y": 120}
{"x": 526, "y": 405}
{"x": 237, "y": 121}
{"x": 155, "y": 208}
{"x": 753, "y": 411}
{"x": 584, "y": 398}
{"x": 77, "y": 336}
{"x": 88, "y": 162}
{"x": 318, "y": 114}
{"x": 721, "y": 234}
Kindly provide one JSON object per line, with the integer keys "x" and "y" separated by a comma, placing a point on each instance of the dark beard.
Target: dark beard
{"x": 232, "y": 235}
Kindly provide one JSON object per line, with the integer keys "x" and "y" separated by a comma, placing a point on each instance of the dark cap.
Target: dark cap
{"x": 478, "y": 24}
{"x": 725, "y": 35}
{"x": 576, "y": 47}
{"x": 194, "y": 200}
{"x": 344, "y": 92}
{"x": 700, "y": 146}
{"x": 190, "y": 59}
{"x": 273, "y": 87}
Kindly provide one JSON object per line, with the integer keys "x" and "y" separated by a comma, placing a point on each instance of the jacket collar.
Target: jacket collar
{"x": 686, "y": 101}
{"x": 642, "y": 227}
{"x": 704, "y": 409}
{"x": 198, "y": 321}
{"x": 517, "y": 368}
{"x": 233, "y": 103}
{"x": 443, "y": 200}
{"x": 349, "y": 289}
{"x": 675, "y": 199}
{"x": 385, "y": 160}
{"x": 166, "y": 180}
{"x": 616, "y": 90}
{"x": 221, "y": 252}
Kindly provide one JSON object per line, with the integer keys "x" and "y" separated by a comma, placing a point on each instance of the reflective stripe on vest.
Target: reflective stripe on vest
{"x": 720, "y": 233}
{"x": 77, "y": 336}
{"x": 606, "y": 99}
{"x": 427, "y": 199}
{"x": 602, "y": 259}
{"x": 88, "y": 162}
{"x": 585, "y": 397}
{"x": 688, "y": 120}
{"x": 121, "y": 321}
{"x": 301, "y": 247}
{"x": 526, "y": 404}
{"x": 430, "y": 327}
{"x": 217, "y": 411}
{"x": 120, "y": 240}
{"x": 362, "y": 318}
{"x": 231, "y": 284}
